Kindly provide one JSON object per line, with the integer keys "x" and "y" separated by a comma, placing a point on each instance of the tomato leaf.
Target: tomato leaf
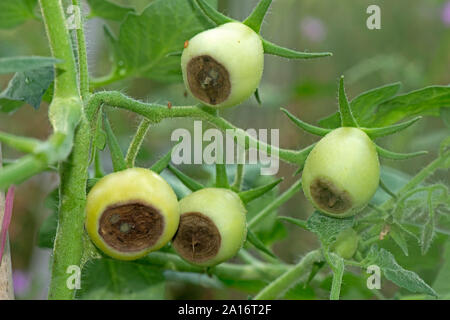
{"x": 27, "y": 86}
{"x": 395, "y": 273}
{"x": 14, "y": 13}
{"x": 145, "y": 40}
{"x": 108, "y": 10}
{"x": 327, "y": 228}
{"x": 21, "y": 64}
{"x": 120, "y": 280}
{"x": 362, "y": 106}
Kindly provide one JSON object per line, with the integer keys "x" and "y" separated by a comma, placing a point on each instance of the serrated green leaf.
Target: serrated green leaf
{"x": 107, "y": 279}
{"x": 425, "y": 101}
{"x": 21, "y": 64}
{"x": 15, "y": 12}
{"x": 327, "y": 228}
{"x": 363, "y": 105}
{"x": 401, "y": 277}
{"x": 108, "y": 10}
{"x": 146, "y": 39}
{"x": 28, "y": 86}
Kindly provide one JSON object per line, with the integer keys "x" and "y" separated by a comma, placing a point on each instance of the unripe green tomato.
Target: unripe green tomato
{"x": 342, "y": 172}
{"x": 346, "y": 243}
{"x": 223, "y": 66}
{"x": 212, "y": 227}
{"x": 131, "y": 213}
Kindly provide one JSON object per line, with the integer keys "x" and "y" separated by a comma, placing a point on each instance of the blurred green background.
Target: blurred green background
{"x": 413, "y": 47}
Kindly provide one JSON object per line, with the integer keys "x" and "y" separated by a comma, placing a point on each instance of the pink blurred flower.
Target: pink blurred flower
{"x": 21, "y": 281}
{"x": 446, "y": 13}
{"x": 313, "y": 29}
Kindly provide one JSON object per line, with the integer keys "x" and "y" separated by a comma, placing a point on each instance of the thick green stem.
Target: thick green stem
{"x": 66, "y": 85}
{"x": 156, "y": 113}
{"x": 65, "y": 113}
{"x": 289, "y": 278}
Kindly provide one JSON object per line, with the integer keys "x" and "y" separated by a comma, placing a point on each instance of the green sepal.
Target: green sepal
{"x": 302, "y": 155}
{"x": 271, "y": 48}
{"x": 162, "y": 163}
{"x": 257, "y": 97}
{"x": 255, "y": 19}
{"x": 386, "y": 189}
{"x": 306, "y": 126}
{"x": 398, "y": 156}
{"x": 384, "y": 131}
{"x": 347, "y": 119}
{"x": 211, "y": 13}
{"x": 252, "y": 194}
{"x": 117, "y": 157}
{"x": 190, "y": 183}
{"x": 255, "y": 241}
{"x": 300, "y": 223}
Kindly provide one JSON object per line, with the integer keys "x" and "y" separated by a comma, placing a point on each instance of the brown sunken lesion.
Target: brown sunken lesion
{"x": 208, "y": 80}
{"x": 329, "y": 197}
{"x": 130, "y": 227}
{"x": 197, "y": 239}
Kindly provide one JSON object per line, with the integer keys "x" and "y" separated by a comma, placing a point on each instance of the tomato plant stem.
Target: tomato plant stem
{"x": 156, "y": 113}
{"x": 136, "y": 143}
{"x": 289, "y": 278}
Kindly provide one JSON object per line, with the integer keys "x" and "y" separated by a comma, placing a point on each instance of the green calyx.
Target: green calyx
{"x": 348, "y": 120}
{"x": 254, "y": 21}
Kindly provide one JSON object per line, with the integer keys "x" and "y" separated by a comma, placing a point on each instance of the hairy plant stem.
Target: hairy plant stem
{"x": 66, "y": 111}
{"x": 156, "y": 113}
{"x": 136, "y": 143}
{"x": 290, "y": 277}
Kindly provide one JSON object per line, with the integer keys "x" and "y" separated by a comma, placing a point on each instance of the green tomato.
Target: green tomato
{"x": 131, "y": 213}
{"x": 212, "y": 227}
{"x": 342, "y": 172}
{"x": 223, "y": 66}
{"x": 346, "y": 243}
